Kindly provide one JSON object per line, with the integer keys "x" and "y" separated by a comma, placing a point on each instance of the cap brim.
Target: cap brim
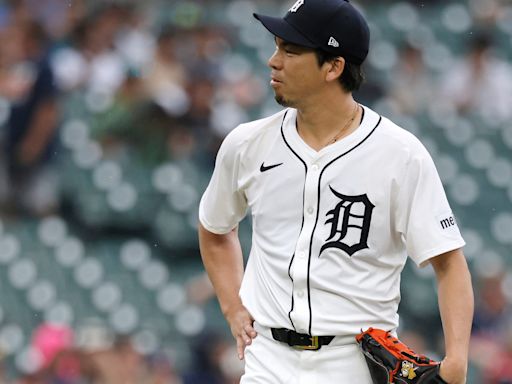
{"x": 282, "y": 29}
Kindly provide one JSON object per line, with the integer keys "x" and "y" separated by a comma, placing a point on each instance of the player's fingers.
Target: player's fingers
{"x": 245, "y": 337}
{"x": 240, "y": 346}
{"x": 249, "y": 329}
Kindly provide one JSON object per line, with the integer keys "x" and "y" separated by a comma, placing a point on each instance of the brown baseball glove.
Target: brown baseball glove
{"x": 391, "y": 361}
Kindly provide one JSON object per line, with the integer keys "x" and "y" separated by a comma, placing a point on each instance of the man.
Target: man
{"x": 31, "y": 134}
{"x": 339, "y": 197}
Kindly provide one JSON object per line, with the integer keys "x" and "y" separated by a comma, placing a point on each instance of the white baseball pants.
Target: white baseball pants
{"x": 271, "y": 362}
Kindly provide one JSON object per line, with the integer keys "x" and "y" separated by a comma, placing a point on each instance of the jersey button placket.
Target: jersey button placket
{"x": 300, "y": 314}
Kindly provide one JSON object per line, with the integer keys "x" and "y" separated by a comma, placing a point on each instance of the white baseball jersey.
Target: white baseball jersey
{"x": 331, "y": 229}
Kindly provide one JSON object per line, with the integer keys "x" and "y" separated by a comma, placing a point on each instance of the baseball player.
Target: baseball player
{"x": 339, "y": 196}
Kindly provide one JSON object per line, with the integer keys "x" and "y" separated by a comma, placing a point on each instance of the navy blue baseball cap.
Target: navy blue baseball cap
{"x": 334, "y": 26}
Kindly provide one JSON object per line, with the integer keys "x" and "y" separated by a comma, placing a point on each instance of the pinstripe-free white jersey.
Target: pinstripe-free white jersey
{"x": 331, "y": 229}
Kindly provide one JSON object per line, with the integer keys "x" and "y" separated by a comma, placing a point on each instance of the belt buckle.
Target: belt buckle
{"x": 314, "y": 346}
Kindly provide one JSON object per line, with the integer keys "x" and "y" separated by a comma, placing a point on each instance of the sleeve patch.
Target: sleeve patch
{"x": 447, "y": 222}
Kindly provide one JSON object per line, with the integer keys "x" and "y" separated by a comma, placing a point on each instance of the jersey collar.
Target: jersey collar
{"x": 370, "y": 118}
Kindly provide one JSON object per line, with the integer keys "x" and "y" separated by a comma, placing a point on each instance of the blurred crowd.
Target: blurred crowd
{"x": 166, "y": 87}
{"x": 64, "y": 360}
{"x": 159, "y": 90}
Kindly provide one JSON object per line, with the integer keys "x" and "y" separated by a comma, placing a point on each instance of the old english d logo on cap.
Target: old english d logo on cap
{"x": 296, "y": 6}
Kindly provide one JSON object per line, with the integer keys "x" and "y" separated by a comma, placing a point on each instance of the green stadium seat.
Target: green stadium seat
{"x": 124, "y": 319}
{"x": 479, "y": 153}
{"x": 190, "y": 321}
{"x": 499, "y": 172}
{"x": 106, "y": 296}
{"x": 134, "y": 254}
{"x": 89, "y": 273}
{"x": 60, "y": 312}
{"x": 153, "y": 275}
{"x": 41, "y": 295}
{"x": 22, "y": 273}
{"x": 70, "y": 252}
{"x": 12, "y": 338}
{"x": 501, "y": 223}
{"x": 10, "y": 246}
{"x": 170, "y": 298}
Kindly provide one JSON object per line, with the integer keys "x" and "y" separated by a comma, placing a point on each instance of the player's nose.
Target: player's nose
{"x": 274, "y": 61}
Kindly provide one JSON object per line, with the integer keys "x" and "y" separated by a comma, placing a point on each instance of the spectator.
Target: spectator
{"x": 480, "y": 83}
{"x": 166, "y": 76}
{"x": 3, "y": 374}
{"x": 493, "y": 312}
{"x": 50, "y": 339}
{"x": 32, "y": 126}
{"x": 207, "y": 358}
{"x": 410, "y": 87}
{"x": 91, "y": 63}
{"x": 162, "y": 371}
{"x": 120, "y": 364}
{"x": 71, "y": 366}
{"x": 499, "y": 370}
{"x": 491, "y": 344}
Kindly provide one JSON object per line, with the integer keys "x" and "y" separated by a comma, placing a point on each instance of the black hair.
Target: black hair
{"x": 352, "y": 76}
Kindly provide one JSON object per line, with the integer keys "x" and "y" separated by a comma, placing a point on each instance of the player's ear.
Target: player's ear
{"x": 335, "y": 68}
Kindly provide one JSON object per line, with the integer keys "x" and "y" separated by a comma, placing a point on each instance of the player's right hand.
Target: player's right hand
{"x": 241, "y": 324}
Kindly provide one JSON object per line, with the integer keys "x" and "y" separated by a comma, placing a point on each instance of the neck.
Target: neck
{"x": 320, "y": 123}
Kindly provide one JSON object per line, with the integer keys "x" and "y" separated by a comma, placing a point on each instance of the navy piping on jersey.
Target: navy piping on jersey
{"x": 302, "y": 225}
{"x": 318, "y": 212}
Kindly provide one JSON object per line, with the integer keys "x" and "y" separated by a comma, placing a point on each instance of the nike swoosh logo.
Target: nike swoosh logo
{"x": 264, "y": 168}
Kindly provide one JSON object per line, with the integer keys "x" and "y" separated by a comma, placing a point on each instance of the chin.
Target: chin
{"x": 282, "y": 101}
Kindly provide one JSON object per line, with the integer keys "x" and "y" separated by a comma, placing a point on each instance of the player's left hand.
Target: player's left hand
{"x": 241, "y": 323}
{"x": 453, "y": 371}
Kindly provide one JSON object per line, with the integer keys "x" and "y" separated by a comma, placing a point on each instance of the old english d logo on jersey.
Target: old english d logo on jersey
{"x": 350, "y": 223}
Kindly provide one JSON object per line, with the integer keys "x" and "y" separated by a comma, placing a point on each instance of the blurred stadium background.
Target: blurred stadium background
{"x": 111, "y": 113}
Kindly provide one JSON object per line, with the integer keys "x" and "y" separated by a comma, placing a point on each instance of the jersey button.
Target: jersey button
{"x": 301, "y": 255}
{"x": 314, "y": 167}
{"x": 300, "y": 293}
{"x": 310, "y": 210}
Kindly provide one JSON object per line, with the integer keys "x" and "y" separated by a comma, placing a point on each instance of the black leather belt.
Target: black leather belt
{"x": 300, "y": 340}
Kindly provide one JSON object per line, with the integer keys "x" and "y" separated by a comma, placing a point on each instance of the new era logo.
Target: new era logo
{"x": 333, "y": 42}
{"x": 296, "y": 6}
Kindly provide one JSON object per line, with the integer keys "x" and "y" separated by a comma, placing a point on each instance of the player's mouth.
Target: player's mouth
{"x": 274, "y": 81}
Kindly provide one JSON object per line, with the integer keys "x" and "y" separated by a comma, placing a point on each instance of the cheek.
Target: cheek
{"x": 308, "y": 78}
{"x": 309, "y": 71}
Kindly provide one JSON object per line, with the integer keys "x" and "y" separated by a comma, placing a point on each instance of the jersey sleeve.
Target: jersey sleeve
{"x": 424, "y": 216}
{"x": 223, "y": 204}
